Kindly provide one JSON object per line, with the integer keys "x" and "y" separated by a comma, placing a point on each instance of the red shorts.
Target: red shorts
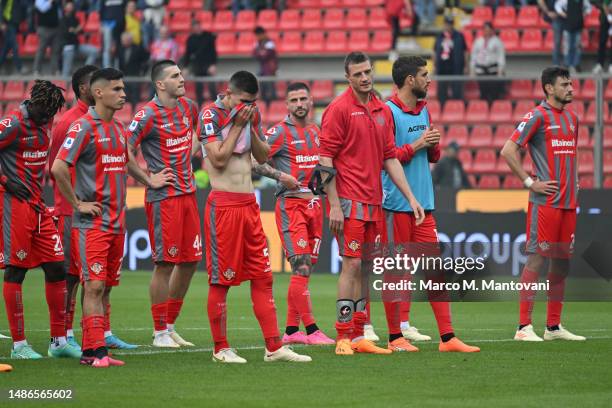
{"x": 64, "y": 228}
{"x": 300, "y": 226}
{"x": 236, "y": 247}
{"x": 174, "y": 229}
{"x": 29, "y": 238}
{"x": 97, "y": 255}
{"x": 360, "y": 238}
{"x": 550, "y": 231}
{"x": 402, "y": 232}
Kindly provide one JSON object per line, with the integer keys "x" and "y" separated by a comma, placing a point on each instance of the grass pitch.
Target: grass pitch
{"x": 504, "y": 374}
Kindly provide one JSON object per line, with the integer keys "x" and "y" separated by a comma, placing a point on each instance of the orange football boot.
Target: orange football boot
{"x": 457, "y": 345}
{"x": 401, "y": 345}
{"x": 368, "y": 346}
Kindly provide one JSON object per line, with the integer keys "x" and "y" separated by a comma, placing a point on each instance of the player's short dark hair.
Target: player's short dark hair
{"x": 404, "y": 66}
{"x": 107, "y": 74}
{"x": 550, "y": 75}
{"x": 79, "y": 77}
{"x": 355, "y": 57}
{"x": 244, "y": 81}
{"x": 159, "y": 67}
{"x": 296, "y": 86}
{"x": 259, "y": 30}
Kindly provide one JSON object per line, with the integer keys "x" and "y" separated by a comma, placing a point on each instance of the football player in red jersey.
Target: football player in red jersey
{"x": 294, "y": 154}
{"x": 550, "y": 132}
{"x": 30, "y": 238}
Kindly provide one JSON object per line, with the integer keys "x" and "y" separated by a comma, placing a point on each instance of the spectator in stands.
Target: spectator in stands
{"x": 450, "y": 52}
{"x": 451, "y": 7}
{"x": 394, "y": 10}
{"x": 12, "y": 13}
{"x": 488, "y": 59}
{"x": 449, "y": 172}
{"x": 201, "y": 58}
{"x": 426, "y": 10}
{"x": 164, "y": 47}
{"x": 572, "y": 14}
{"x": 265, "y": 52}
{"x": 154, "y": 13}
{"x": 70, "y": 28}
{"x": 605, "y": 20}
{"x": 550, "y": 16}
{"x": 112, "y": 21}
{"x": 48, "y": 17}
{"x": 132, "y": 61}
{"x": 132, "y": 22}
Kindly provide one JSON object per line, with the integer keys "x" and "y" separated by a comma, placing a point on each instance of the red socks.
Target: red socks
{"x": 527, "y": 297}
{"x": 369, "y": 318}
{"x": 556, "y": 291}
{"x": 298, "y": 298}
{"x": 107, "y": 312}
{"x": 70, "y": 314}
{"x": 93, "y": 332}
{"x": 174, "y": 308}
{"x": 14, "y": 309}
{"x": 404, "y": 310}
{"x": 392, "y": 312}
{"x": 265, "y": 311}
{"x": 55, "y": 292}
{"x": 442, "y": 314}
{"x": 217, "y": 315}
{"x": 359, "y": 319}
{"x": 159, "y": 311}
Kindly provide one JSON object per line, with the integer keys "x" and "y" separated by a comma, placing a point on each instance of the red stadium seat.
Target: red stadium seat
{"x": 205, "y": 18}
{"x": 511, "y": 182}
{"x": 330, "y": 3}
{"x": 578, "y": 108}
{"x": 510, "y": 38}
{"x": 608, "y": 91}
{"x": 178, "y": 5}
{"x": 586, "y": 182}
{"x": 501, "y": 135}
{"x": 538, "y": 92}
{"x": 456, "y": 133}
{"x": 501, "y": 166}
{"x": 479, "y": 16}
{"x": 181, "y": 21}
{"x": 592, "y": 20}
{"x": 433, "y": 106}
{"x": 454, "y": 111}
{"x": 521, "y": 89}
{"x": 489, "y": 181}
{"x": 336, "y": 42}
{"x": 356, "y": 18}
{"x": 549, "y": 40}
{"x": 468, "y": 36}
{"x": 481, "y": 136}
{"x": 607, "y": 182}
{"x": 268, "y": 19}
{"x": 226, "y": 43}
{"x": 246, "y": 42}
{"x": 501, "y": 112}
{"x": 277, "y": 111}
{"x": 93, "y": 22}
{"x": 377, "y": 18}
{"x": 484, "y": 161}
{"x": 381, "y": 42}
{"x": 82, "y": 17}
{"x": 432, "y": 92}
{"x": 584, "y": 138}
{"x": 528, "y": 17}
{"x": 289, "y": 20}
{"x": 351, "y": 4}
{"x": 30, "y": 45}
{"x": 465, "y": 157}
{"x": 521, "y": 109}
{"x": 585, "y": 162}
{"x": 14, "y": 91}
{"x": 291, "y": 42}
{"x": 334, "y": 19}
{"x": 245, "y": 20}
{"x": 477, "y": 111}
{"x": 505, "y": 17}
{"x": 224, "y": 21}
{"x": 588, "y": 90}
{"x": 359, "y": 39}
{"x": 531, "y": 40}
{"x": 313, "y": 42}
{"x": 323, "y": 89}
{"x": 311, "y": 19}
{"x": 590, "y": 114}
{"x": 607, "y": 161}
{"x": 373, "y": 2}
{"x": 607, "y": 137}
{"x": 11, "y": 106}
{"x": 309, "y": 3}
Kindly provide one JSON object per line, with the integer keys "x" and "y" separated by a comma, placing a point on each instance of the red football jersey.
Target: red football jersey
{"x": 294, "y": 150}
{"x": 552, "y": 137}
{"x": 166, "y": 137}
{"x": 62, "y": 207}
{"x": 98, "y": 151}
{"x": 24, "y": 147}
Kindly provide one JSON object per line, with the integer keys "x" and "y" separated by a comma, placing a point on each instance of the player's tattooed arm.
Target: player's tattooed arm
{"x": 267, "y": 170}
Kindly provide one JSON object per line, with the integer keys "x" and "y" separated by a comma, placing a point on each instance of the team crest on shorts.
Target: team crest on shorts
{"x": 229, "y": 274}
{"x": 354, "y": 245}
{"x": 302, "y": 243}
{"x": 544, "y": 246}
{"x": 173, "y": 251}
{"x": 21, "y": 254}
{"x": 96, "y": 268}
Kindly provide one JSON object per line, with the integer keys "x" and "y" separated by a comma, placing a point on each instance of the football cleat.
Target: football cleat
{"x": 72, "y": 341}
{"x": 368, "y": 346}
{"x": 67, "y": 350}
{"x": 179, "y": 340}
{"x": 114, "y": 342}
{"x": 285, "y": 354}
{"x": 295, "y": 338}
{"x": 369, "y": 334}
{"x": 319, "y": 338}
{"x": 401, "y": 345}
{"x": 527, "y": 334}
{"x": 5, "y": 368}
{"x": 227, "y": 355}
{"x": 412, "y": 334}
{"x": 164, "y": 340}
{"x": 343, "y": 347}
{"x": 456, "y": 345}
{"x": 562, "y": 334}
{"x": 25, "y": 352}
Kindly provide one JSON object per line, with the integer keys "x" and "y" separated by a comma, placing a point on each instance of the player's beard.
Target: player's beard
{"x": 564, "y": 101}
{"x": 300, "y": 114}
{"x": 419, "y": 93}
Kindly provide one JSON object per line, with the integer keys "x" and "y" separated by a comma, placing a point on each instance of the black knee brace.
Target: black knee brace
{"x": 14, "y": 274}
{"x": 54, "y": 271}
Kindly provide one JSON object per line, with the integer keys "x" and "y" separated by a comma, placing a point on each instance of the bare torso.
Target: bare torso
{"x": 235, "y": 177}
